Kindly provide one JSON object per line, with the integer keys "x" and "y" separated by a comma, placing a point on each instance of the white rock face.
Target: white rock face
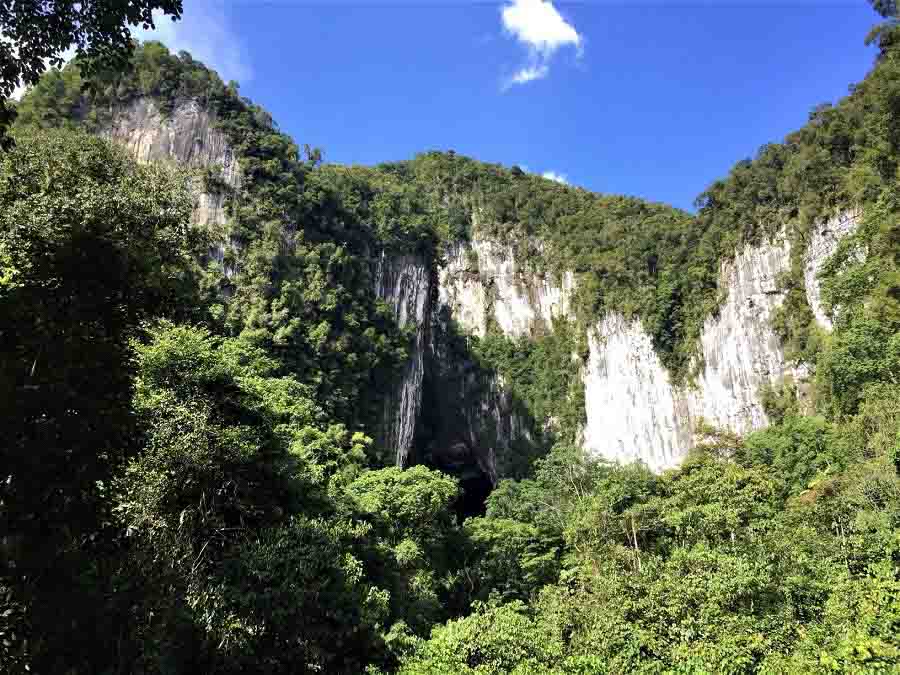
{"x": 186, "y": 136}
{"x": 404, "y": 282}
{"x": 634, "y": 411}
{"x": 482, "y": 282}
{"x": 822, "y": 246}
{"x": 739, "y": 349}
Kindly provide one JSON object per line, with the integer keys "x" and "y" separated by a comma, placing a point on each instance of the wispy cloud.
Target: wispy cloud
{"x": 541, "y": 29}
{"x": 558, "y": 177}
{"x": 529, "y": 73}
{"x": 207, "y": 34}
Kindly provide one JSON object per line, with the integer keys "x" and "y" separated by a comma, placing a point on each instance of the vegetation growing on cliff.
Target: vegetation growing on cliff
{"x": 629, "y": 255}
{"x": 299, "y": 239}
{"x": 190, "y": 485}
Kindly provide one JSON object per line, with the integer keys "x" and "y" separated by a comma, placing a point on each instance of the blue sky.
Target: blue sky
{"x": 649, "y": 99}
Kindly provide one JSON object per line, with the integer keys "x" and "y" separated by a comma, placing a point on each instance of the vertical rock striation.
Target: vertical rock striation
{"x": 739, "y": 349}
{"x": 404, "y": 283}
{"x": 822, "y": 245}
{"x": 188, "y": 137}
{"x": 633, "y": 409}
{"x": 481, "y": 285}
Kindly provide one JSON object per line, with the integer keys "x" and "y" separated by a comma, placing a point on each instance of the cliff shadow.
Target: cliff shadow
{"x": 472, "y": 425}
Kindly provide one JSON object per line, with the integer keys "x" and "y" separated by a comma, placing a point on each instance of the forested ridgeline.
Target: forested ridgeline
{"x": 190, "y": 483}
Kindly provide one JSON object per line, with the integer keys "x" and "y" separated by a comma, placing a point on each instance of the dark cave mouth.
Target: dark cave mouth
{"x": 457, "y": 459}
{"x": 475, "y": 487}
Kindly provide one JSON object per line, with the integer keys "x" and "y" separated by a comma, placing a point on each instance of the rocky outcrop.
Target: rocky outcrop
{"x": 822, "y": 245}
{"x": 633, "y": 409}
{"x": 188, "y": 137}
{"x": 483, "y": 283}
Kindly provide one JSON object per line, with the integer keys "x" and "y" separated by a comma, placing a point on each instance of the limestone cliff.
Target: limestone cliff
{"x": 633, "y": 409}
{"x": 187, "y": 136}
{"x": 822, "y": 246}
{"x": 445, "y": 408}
{"x": 482, "y": 283}
{"x": 404, "y": 283}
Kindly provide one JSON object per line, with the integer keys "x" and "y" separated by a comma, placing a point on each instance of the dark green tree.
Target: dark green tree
{"x": 91, "y": 244}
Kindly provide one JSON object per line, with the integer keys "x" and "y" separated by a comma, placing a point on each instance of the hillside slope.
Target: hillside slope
{"x": 669, "y": 317}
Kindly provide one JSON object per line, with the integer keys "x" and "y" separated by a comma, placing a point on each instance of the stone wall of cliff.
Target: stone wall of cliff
{"x": 634, "y": 410}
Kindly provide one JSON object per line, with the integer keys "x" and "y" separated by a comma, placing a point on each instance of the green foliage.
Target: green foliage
{"x": 629, "y": 255}
{"x": 299, "y": 284}
{"x": 797, "y": 448}
{"x": 542, "y": 373}
{"x": 511, "y": 558}
{"x": 60, "y": 216}
{"x": 91, "y": 244}
{"x": 189, "y": 482}
{"x": 492, "y": 640}
{"x": 230, "y": 495}
{"x": 54, "y": 101}
{"x": 412, "y": 517}
{"x": 864, "y": 350}
{"x": 706, "y": 569}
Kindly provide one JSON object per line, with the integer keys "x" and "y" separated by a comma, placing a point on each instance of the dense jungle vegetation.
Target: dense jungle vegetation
{"x": 189, "y": 478}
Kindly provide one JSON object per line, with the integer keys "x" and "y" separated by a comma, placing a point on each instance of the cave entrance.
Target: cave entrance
{"x": 475, "y": 487}
{"x": 458, "y": 460}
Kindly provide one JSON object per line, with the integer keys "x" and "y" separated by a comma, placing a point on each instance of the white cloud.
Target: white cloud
{"x": 205, "y": 32}
{"x": 538, "y": 26}
{"x": 558, "y": 177}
